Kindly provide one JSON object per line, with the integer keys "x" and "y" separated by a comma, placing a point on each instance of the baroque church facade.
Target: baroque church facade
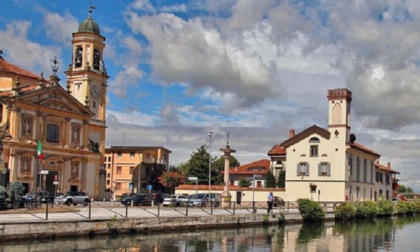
{"x": 66, "y": 123}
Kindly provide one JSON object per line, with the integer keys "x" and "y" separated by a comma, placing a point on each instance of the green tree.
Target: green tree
{"x": 281, "y": 182}
{"x": 404, "y": 189}
{"x": 198, "y": 166}
{"x": 218, "y": 166}
{"x": 171, "y": 179}
{"x": 244, "y": 183}
{"x": 271, "y": 180}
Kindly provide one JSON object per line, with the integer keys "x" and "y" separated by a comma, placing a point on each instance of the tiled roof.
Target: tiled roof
{"x": 363, "y": 149}
{"x": 221, "y": 187}
{"x": 385, "y": 168}
{"x": 10, "y": 68}
{"x": 258, "y": 167}
{"x": 307, "y": 132}
{"x": 277, "y": 150}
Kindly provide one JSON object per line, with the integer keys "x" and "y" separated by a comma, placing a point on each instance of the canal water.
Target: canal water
{"x": 384, "y": 234}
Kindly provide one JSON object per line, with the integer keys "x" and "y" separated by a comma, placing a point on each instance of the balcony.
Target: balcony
{"x": 154, "y": 161}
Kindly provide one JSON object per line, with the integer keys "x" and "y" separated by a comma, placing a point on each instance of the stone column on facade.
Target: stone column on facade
{"x": 65, "y": 175}
{"x": 67, "y": 133}
{"x": 12, "y": 165}
{"x": 14, "y": 131}
{"x": 226, "y": 196}
{"x": 84, "y": 138}
{"x": 82, "y": 174}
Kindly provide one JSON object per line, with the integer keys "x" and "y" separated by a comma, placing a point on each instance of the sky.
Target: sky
{"x": 254, "y": 69}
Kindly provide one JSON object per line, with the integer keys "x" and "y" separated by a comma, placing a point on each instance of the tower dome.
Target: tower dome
{"x": 88, "y": 25}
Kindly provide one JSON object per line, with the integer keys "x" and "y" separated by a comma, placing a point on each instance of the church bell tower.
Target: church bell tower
{"x": 87, "y": 77}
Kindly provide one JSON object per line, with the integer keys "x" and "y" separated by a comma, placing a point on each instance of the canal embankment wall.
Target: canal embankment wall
{"x": 55, "y": 229}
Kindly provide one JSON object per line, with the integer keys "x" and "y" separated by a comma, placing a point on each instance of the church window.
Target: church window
{"x": 96, "y": 59}
{"x": 53, "y": 133}
{"x": 78, "y": 56}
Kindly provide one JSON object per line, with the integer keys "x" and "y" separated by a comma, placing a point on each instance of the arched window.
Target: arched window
{"x": 96, "y": 59}
{"x": 78, "y": 56}
{"x": 314, "y": 140}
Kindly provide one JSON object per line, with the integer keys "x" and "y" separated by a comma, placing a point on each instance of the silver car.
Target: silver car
{"x": 202, "y": 200}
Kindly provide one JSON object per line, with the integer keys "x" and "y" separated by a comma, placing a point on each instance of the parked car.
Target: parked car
{"x": 43, "y": 196}
{"x": 125, "y": 195}
{"x": 159, "y": 197}
{"x": 277, "y": 201}
{"x": 202, "y": 200}
{"x": 175, "y": 200}
{"x": 139, "y": 199}
{"x": 73, "y": 198}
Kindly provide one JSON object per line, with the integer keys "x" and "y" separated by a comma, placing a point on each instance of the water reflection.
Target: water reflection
{"x": 390, "y": 234}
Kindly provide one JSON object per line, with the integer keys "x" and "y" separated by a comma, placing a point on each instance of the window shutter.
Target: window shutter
{"x": 298, "y": 169}
{"x": 319, "y": 169}
{"x": 307, "y": 169}
{"x": 328, "y": 169}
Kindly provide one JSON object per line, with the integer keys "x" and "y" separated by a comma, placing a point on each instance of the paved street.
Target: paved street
{"x": 107, "y": 210}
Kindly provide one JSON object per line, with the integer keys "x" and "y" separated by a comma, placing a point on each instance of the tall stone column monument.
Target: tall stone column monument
{"x": 226, "y": 196}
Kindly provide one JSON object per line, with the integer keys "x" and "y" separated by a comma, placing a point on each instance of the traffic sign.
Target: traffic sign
{"x": 44, "y": 172}
{"x": 55, "y": 183}
{"x": 192, "y": 178}
{"x": 149, "y": 187}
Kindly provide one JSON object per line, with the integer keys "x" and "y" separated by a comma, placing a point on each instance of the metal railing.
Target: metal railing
{"x": 98, "y": 210}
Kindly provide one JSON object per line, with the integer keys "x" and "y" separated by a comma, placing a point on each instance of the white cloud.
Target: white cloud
{"x": 21, "y": 51}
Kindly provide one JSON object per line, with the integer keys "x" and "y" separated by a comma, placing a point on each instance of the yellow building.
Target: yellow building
{"x": 127, "y": 165}
{"x": 69, "y": 123}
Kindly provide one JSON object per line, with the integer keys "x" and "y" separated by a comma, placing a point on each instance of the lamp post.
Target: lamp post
{"x": 210, "y": 133}
{"x": 196, "y": 183}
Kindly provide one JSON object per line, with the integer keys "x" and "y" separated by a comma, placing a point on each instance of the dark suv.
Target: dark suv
{"x": 139, "y": 199}
{"x": 43, "y": 196}
{"x": 158, "y": 198}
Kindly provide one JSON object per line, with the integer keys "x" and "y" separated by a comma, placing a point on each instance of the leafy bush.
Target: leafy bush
{"x": 244, "y": 183}
{"x": 385, "y": 207}
{"x": 366, "y": 209}
{"x": 417, "y": 209}
{"x": 345, "y": 211}
{"x": 411, "y": 207}
{"x": 310, "y": 210}
{"x": 401, "y": 207}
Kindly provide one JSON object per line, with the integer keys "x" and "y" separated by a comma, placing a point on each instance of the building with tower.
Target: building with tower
{"x": 328, "y": 164}
{"x": 65, "y": 125}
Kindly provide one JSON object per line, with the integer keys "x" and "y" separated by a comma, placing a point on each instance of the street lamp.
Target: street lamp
{"x": 253, "y": 189}
{"x": 210, "y": 133}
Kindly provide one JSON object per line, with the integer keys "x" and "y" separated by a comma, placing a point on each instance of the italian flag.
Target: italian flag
{"x": 40, "y": 154}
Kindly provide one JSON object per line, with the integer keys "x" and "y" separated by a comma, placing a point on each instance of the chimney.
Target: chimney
{"x": 389, "y": 165}
{"x": 291, "y": 133}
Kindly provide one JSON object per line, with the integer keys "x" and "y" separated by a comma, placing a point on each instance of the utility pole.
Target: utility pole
{"x": 210, "y": 133}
